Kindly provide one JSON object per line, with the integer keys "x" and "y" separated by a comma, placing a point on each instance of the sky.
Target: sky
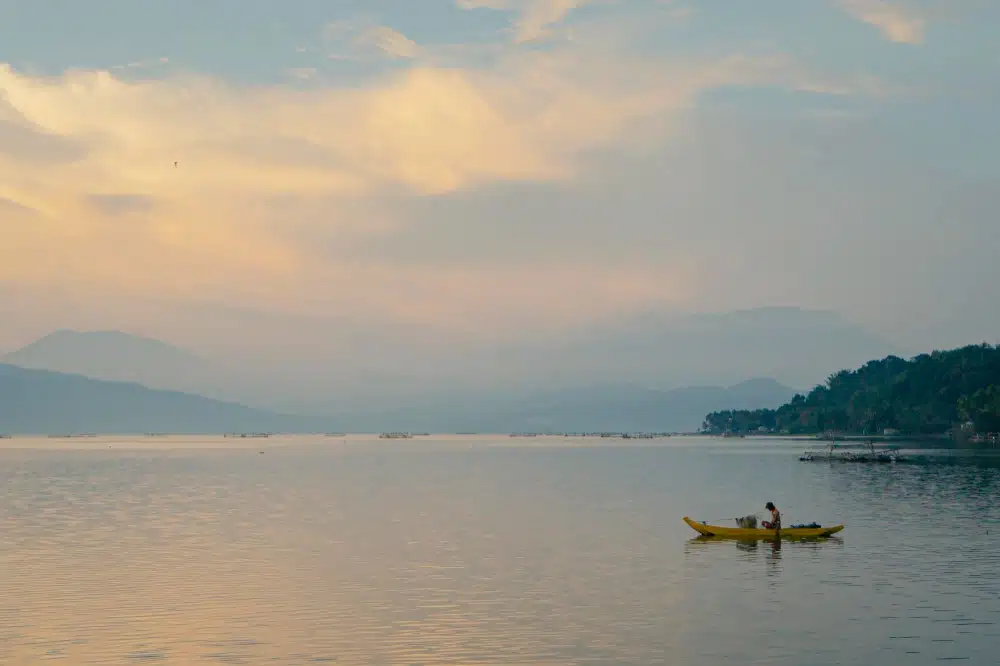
{"x": 266, "y": 175}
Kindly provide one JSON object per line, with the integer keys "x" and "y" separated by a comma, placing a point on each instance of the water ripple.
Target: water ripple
{"x": 465, "y": 554}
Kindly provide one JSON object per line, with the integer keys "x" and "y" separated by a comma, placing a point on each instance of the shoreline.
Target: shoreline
{"x": 165, "y": 441}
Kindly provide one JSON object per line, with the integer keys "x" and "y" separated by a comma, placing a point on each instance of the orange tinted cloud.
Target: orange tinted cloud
{"x": 534, "y": 16}
{"x": 91, "y": 195}
{"x": 897, "y": 23}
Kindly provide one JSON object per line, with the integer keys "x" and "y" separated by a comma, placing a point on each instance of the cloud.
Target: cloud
{"x": 896, "y": 22}
{"x": 534, "y": 16}
{"x": 390, "y": 42}
{"x": 11, "y": 207}
{"x": 121, "y": 204}
{"x": 363, "y": 38}
{"x": 142, "y": 64}
{"x": 23, "y": 141}
{"x": 302, "y": 73}
{"x": 277, "y": 187}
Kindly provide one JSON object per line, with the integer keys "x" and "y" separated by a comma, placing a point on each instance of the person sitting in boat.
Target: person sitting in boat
{"x": 775, "y": 522}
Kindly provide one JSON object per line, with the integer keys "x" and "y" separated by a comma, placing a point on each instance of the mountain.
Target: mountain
{"x": 618, "y": 408}
{"x": 115, "y": 356}
{"x": 339, "y": 370}
{"x": 44, "y": 402}
{"x": 387, "y": 378}
{"x": 632, "y": 408}
{"x": 797, "y": 347}
{"x": 927, "y": 394}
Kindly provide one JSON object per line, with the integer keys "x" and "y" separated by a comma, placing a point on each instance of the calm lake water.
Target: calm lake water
{"x": 480, "y": 551}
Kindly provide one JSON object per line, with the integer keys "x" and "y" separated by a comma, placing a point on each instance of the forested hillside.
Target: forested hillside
{"x": 928, "y": 394}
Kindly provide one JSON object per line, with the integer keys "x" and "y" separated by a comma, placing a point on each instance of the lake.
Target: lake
{"x": 478, "y": 550}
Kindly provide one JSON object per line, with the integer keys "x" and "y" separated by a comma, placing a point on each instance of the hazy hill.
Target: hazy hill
{"x": 600, "y": 408}
{"x": 636, "y": 408}
{"x": 115, "y": 356}
{"x": 396, "y": 378}
{"x": 795, "y": 346}
{"x": 927, "y": 394}
{"x": 392, "y": 372}
{"x": 43, "y": 402}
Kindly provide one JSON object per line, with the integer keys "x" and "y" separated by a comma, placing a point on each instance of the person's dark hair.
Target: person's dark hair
{"x": 769, "y": 506}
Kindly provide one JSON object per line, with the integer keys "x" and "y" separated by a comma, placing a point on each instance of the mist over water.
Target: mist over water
{"x": 487, "y": 550}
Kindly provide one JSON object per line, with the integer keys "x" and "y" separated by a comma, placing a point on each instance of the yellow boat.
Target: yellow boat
{"x": 744, "y": 533}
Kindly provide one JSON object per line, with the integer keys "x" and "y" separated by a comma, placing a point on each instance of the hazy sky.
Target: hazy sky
{"x": 478, "y": 170}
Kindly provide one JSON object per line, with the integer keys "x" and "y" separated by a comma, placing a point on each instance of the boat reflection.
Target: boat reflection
{"x": 775, "y": 545}
{"x": 757, "y": 550}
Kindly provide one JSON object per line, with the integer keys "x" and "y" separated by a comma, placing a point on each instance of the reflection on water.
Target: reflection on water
{"x": 758, "y": 550}
{"x": 459, "y": 553}
{"x": 773, "y": 546}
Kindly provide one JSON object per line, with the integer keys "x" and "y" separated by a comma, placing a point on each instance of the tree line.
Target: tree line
{"x": 928, "y": 394}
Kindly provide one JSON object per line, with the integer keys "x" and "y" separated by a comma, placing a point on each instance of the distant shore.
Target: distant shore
{"x": 255, "y": 440}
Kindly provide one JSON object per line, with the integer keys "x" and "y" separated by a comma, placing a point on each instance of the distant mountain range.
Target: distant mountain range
{"x": 39, "y": 402}
{"x": 626, "y": 408}
{"x": 795, "y": 346}
{"x": 641, "y": 373}
{"x": 118, "y": 356}
{"x": 44, "y": 402}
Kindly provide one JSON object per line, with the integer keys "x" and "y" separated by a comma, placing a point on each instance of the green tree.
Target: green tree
{"x": 927, "y": 394}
